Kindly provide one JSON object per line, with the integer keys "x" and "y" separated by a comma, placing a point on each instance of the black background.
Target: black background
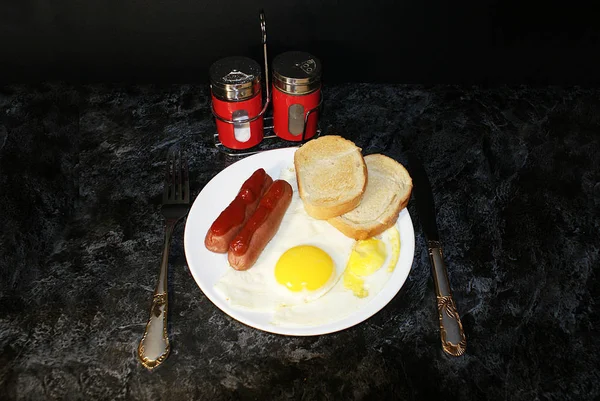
{"x": 425, "y": 41}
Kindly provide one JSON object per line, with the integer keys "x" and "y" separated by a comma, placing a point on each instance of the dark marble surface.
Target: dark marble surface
{"x": 516, "y": 178}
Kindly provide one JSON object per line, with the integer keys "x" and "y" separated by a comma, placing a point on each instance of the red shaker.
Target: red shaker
{"x": 296, "y": 95}
{"x": 235, "y": 84}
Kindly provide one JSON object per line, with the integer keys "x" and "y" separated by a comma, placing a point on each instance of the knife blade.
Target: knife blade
{"x": 452, "y": 334}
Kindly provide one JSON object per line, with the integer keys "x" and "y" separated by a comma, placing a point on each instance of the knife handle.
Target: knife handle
{"x": 452, "y": 334}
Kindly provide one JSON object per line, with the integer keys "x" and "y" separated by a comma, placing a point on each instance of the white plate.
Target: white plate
{"x": 207, "y": 267}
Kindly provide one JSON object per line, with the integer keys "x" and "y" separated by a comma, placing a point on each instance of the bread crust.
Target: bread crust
{"x": 359, "y": 233}
{"x": 324, "y": 213}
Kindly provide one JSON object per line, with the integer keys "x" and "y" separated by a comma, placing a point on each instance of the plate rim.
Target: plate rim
{"x": 371, "y": 308}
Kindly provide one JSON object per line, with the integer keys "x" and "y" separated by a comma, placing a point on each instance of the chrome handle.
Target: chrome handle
{"x": 454, "y": 341}
{"x": 154, "y": 346}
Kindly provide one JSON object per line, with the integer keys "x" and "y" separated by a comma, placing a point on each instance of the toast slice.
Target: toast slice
{"x": 332, "y": 176}
{"x": 387, "y": 193}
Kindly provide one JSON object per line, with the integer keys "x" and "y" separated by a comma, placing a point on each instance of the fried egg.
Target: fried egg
{"x": 369, "y": 267}
{"x": 366, "y": 258}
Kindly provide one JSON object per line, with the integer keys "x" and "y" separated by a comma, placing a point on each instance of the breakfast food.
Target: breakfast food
{"x": 322, "y": 241}
{"x": 232, "y": 219}
{"x": 331, "y": 175}
{"x": 361, "y": 197}
{"x": 387, "y": 193}
{"x": 247, "y": 245}
{"x": 302, "y": 262}
{"x": 368, "y": 256}
{"x": 364, "y": 277}
{"x": 311, "y": 273}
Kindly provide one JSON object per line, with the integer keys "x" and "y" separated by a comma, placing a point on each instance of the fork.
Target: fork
{"x": 154, "y": 346}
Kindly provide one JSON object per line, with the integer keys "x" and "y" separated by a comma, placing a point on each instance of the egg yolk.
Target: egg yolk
{"x": 395, "y": 242}
{"x": 304, "y": 267}
{"x": 366, "y": 258}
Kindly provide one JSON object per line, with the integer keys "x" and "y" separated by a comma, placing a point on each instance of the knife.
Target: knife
{"x": 452, "y": 334}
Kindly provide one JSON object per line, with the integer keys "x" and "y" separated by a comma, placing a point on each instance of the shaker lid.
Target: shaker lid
{"x": 235, "y": 78}
{"x": 296, "y": 72}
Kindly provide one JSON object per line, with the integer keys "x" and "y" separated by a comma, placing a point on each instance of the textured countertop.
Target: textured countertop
{"x": 516, "y": 178}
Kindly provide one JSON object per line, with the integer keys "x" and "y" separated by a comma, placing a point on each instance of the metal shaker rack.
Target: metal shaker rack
{"x": 270, "y": 141}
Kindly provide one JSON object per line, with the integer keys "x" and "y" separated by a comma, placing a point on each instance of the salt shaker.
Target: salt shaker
{"x": 235, "y": 84}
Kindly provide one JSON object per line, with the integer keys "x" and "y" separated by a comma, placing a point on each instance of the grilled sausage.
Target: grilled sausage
{"x": 232, "y": 219}
{"x": 262, "y": 226}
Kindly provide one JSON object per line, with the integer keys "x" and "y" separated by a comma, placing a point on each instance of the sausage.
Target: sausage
{"x": 262, "y": 226}
{"x": 232, "y": 218}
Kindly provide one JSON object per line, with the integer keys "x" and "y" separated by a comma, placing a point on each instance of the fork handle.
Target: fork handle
{"x": 154, "y": 346}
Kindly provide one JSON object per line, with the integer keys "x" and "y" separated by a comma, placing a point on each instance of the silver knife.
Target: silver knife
{"x": 452, "y": 334}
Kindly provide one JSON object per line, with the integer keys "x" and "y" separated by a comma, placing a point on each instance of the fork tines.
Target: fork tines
{"x": 177, "y": 180}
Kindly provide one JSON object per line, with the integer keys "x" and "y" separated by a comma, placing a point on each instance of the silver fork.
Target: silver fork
{"x": 154, "y": 346}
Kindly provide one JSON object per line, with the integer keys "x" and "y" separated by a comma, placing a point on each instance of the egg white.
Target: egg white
{"x": 339, "y": 302}
{"x": 257, "y": 289}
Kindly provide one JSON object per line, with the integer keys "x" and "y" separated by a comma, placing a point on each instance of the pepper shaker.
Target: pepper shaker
{"x": 296, "y": 95}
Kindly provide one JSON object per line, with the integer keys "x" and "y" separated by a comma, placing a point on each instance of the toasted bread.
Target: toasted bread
{"x": 332, "y": 176}
{"x": 387, "y": 193}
